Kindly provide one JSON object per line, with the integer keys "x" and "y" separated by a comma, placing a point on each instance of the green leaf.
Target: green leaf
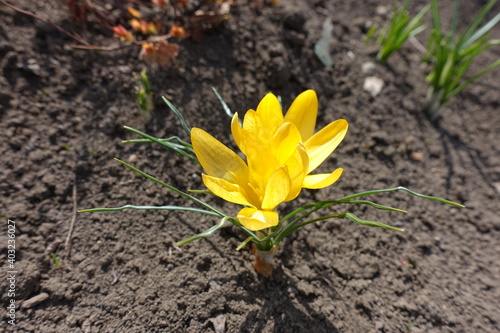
{"x": 479, "y": 33}
{"x": 356, "y": 219}
{"x": 452, "y": 54}
{"x": 400, "y": 28}
{"x": 181, "y": 145}
{"x": 55, "y": 260}
{"x": 400, "y": 188}
{"x": 226, "y": 108}
{"x": 207, "y": 233}
{"x": 198, "y": 201}
{"x": 186, "y": 209}
{"x": 245, "y": 242}
{"x": 373, "y": 204}
{"x": 371, "y": 32}
{"x": 471, "y": 30}
{"x": 165, "y": 143}
{"x": 475, "y": 77}
{"x": 179, "y": 116}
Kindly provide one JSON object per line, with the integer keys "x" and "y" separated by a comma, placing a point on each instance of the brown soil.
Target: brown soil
{"x": 62, "y": 113}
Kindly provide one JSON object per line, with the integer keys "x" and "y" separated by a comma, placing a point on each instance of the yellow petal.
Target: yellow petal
{"x": 324, "y": 142}
{"x": 265, "y": 156}
{"x": 216, "y": 159}
{"x": 227, "y": 191}
{"x": 322, "y": 180}
{"x": 297, "y": 165}
{"x": 254, "y": 219}
{"x": 255, "y": 128}
{"x": 284, "y": 142}
{"x": 237, "y": 132}
{"x": 277, "y": 189}
{"x": 303, "y": 113}
{"x": 269, "y": 109}
{"x": 258, "y": 150}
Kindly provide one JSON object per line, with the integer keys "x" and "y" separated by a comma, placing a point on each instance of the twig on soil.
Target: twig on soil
{"x": 100, "y": 48}
{"x": 417, "y": 44}
{"x": 152, "y": 39}
{"x": 73, "y": 219}
{"x": 75, "y": 37}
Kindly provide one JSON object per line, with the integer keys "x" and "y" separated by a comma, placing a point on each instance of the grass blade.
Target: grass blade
{"x": 475, "y": 77}
{"x": 479, "y": 33}
{"x": 476, "y": 21}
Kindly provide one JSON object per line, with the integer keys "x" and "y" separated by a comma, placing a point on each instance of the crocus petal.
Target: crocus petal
{"x": 277, "y": 189}
{"x": 237, "y": 132}
{"x": 297, "y": 167}
{"x": 324, "y": 142}
{"x": 227, "y": 191}
{"x": 255, "y": 219}
{"x": 322, "y": 180}
{"x": 216, "y": 159}
{"x": 258, "y": 150}
{"x": 285, "y": 140}
{"x": 269, "y": 109}
{"x": 255, "y": 128}
{"x": 303, "y": 113}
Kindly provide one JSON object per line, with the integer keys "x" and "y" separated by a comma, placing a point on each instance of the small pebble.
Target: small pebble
{"x": 373, "y": 85}
{"x": 132, "y": 158}
{"x": 497, "y": 186}
{"x": 417, "y": 156}
{"x": 368, "y": 67}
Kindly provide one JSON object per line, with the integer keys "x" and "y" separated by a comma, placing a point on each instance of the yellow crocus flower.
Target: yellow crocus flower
{"x": 278, "y": 158}
{"x": 302, "y": 113}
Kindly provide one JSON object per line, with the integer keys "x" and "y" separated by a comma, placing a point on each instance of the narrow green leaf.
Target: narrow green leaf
{"x": 454, "y": 19}
{"x": 245, "y": 242}
{"x": 436, "y": 18}
{"x": 400, "y": 28}
{"x": 207, "y": 233}
{"x": 446, "y": 72}
{"x": 476, "y": 21}
{"x": 373, "y": 204}
{"x": 198, "y": 201}
{"x": 55, "y": 260}
{"x": 226, "y": 108}
{"x": 201, "y": 192}
{"x": 114, "y": 209}
{"x": 475, "y": 77}
{"x": 164, "y": 143}
{"x": 371, "y": 32}
{"x": 356, "y": 219}
{"x": 179, "y": 116}
{"x": 479, "y": 33}
{"x": 294, "y": 226}
{"x": 400, "y": 188}
{"x": 181, "y": 143}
